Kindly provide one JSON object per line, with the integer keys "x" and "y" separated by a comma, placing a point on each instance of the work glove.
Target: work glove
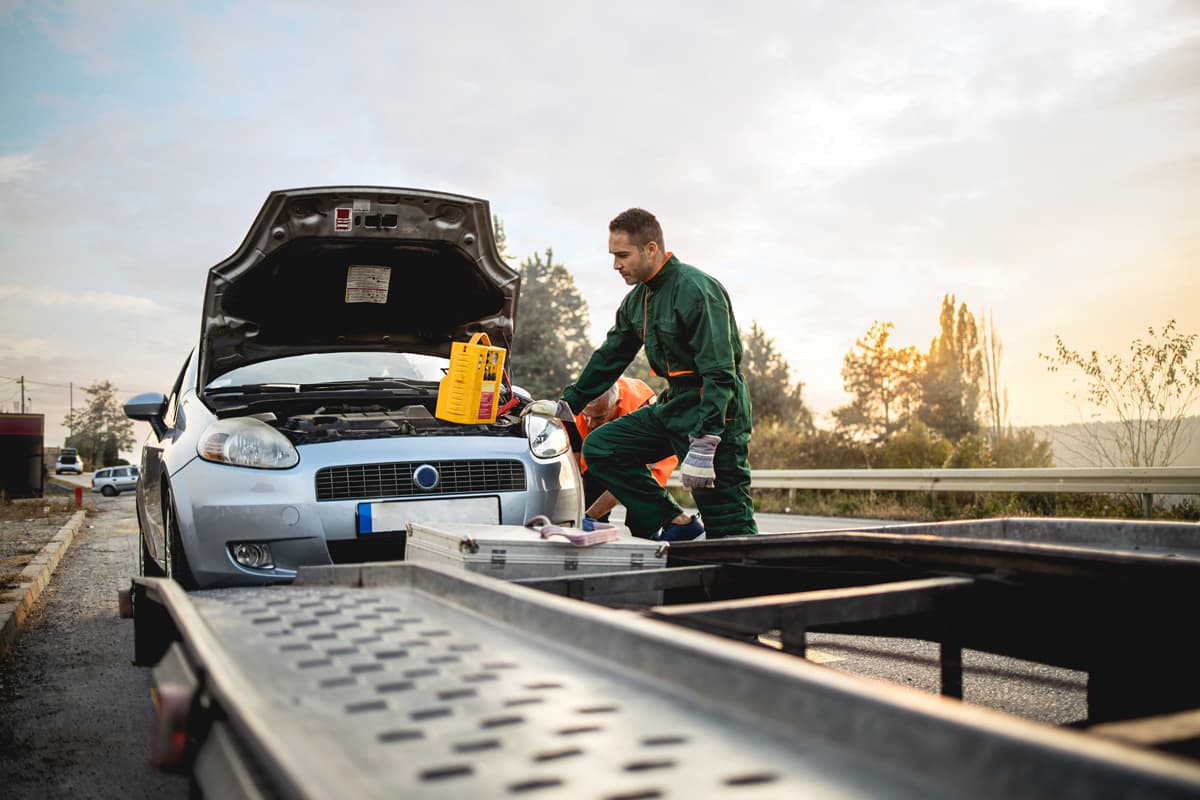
{"x": 557, "y": 409}
{"x": 698, "y": 470}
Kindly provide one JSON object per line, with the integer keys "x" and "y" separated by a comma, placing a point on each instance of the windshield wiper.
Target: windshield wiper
{"x": 371, "y": 383}
{"x": 255, "y": 388}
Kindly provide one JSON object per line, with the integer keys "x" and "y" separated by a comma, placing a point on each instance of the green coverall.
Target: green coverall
{"x": 685, "y": 320}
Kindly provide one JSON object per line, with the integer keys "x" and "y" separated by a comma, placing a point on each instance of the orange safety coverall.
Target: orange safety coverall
{"x": 632, "y": 394}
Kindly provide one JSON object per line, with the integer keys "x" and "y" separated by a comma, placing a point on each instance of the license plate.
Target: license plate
{"x": 392, "y": 517}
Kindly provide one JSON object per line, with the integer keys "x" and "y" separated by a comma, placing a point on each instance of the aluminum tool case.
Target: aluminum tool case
{"x": 511, "y": 552}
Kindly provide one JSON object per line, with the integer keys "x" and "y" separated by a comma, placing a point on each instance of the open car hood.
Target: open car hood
{"x": 357, "y": 269}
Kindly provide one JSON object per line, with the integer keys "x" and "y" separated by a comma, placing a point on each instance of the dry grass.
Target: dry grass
{"x": 25, "y": 527}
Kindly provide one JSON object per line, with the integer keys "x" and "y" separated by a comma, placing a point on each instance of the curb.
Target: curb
{"x": 34, "y": 579}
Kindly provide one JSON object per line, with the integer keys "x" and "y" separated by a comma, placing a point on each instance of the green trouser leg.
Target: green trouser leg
{"x": 617, "y": 454}
{"x": 727, "y": 509}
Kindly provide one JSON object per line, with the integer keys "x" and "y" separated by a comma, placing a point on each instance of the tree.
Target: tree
{"x": 500, "y": 236}
{"x": 101, "y": 427}
{"x": 768, "y": 378}
{"x": 995, "y": 396}
{"x": 950, "y": 387}
{"x": 1150, "y": 394}
{"x": 550, "y": 344}
{"x": 885, "y": 384}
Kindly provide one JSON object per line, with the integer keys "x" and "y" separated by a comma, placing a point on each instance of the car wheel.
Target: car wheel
{"x": 108, "y": 491}
{"x": 177, "y": 562}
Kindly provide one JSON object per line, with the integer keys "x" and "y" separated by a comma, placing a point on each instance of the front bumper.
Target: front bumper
{"x": 219, "y": 505}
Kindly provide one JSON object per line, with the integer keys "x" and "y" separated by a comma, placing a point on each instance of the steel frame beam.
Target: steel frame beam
{"x": 793, "y": 615}
{"x": 606, "y": 584}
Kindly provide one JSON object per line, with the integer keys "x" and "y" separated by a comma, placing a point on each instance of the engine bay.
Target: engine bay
{"x": 338, "y": 423}
{"x": 311, "y": 423}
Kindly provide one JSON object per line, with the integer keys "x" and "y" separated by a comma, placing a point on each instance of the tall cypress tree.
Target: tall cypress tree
{"x": 951, "y": 384}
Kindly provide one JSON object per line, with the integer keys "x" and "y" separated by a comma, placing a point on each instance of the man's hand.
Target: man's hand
{"x": 557, "y": 409}
{"x": 697, "y": 468}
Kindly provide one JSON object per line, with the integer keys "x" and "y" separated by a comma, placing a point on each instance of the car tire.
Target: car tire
{"x": 177, "y": 562}
{"x": 147, "y": 566}
{"x": 108, "y": 491}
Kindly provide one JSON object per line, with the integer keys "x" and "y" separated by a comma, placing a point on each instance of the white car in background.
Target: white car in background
{"x": 111, "y": 481}
{"x": 68, "y": 461}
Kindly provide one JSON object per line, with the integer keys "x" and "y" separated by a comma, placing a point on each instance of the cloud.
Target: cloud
{"x": 1085, "y": 9}
{"x": 830, "y": 166}
{"x": 29, "y": 347}
{"x": 16, "y": 167}
{"x": 103, "y": 301}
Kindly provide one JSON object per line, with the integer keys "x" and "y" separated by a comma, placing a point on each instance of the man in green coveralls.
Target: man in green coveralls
{"x": 684, "y": 319}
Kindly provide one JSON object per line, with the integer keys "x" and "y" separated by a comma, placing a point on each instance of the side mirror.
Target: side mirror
{"x": 148, "y": 407}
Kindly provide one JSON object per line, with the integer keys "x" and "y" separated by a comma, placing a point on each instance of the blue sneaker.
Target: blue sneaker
{"x": 690, "y": 531}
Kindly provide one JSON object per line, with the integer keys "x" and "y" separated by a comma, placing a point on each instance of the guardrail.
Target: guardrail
{"x": 1146, "y": 481}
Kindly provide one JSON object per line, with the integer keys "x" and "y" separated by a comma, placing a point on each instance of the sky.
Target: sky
{"x": 831, "y": 163}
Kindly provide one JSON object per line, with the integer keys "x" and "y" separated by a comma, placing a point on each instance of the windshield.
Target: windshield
{"x": 336, "y": 368}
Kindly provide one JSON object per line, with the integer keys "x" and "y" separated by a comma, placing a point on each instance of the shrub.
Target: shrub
{"x": 916, "y": 448}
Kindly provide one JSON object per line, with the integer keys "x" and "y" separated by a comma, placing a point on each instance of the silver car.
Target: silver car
{"x": 302, "y": 428}
{"x": 111, "y": 481}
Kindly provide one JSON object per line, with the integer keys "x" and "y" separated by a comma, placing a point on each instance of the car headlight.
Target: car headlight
{"x": 547, "y": 436}
{"x": 246, "y": 442}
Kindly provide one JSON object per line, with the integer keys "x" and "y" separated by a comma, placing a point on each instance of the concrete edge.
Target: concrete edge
{"x": 34, "y": 578}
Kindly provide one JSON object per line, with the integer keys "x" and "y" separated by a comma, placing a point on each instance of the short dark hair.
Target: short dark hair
{"x": 639, "y": 225}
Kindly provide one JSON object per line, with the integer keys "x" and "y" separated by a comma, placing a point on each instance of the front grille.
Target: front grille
{"x": 363, "y": 481}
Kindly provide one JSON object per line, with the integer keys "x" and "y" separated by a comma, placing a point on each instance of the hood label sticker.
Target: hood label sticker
{"x": 367, "y": 284}
{"x": 341, "y": 219}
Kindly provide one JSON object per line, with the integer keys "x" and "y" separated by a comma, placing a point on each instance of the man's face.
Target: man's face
{"x": 599, "y": 411}
{"x": 635, "y": 264}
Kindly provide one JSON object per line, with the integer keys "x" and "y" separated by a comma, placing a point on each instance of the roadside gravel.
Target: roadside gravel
{"x": 75, "y": 715}
{"x": 25, "y": 527}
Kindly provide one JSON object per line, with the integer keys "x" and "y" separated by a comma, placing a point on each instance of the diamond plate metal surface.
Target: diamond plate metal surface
{"x": 415, "y": 696}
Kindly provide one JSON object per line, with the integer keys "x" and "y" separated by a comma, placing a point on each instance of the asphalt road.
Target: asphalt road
{"x": 75, "y": 715}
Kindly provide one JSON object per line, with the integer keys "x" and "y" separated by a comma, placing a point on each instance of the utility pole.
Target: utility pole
{"x": 22, "y": 382}
{"x": 71, "y": 418}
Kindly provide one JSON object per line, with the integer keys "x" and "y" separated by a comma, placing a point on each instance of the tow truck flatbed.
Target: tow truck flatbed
{"x": 379, "y": 680}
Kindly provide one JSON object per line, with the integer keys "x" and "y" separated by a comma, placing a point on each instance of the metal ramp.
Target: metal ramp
{"x": 380, "y": 681}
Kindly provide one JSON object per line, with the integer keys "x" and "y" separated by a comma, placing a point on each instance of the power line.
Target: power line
{"x": 39, "y": 383}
